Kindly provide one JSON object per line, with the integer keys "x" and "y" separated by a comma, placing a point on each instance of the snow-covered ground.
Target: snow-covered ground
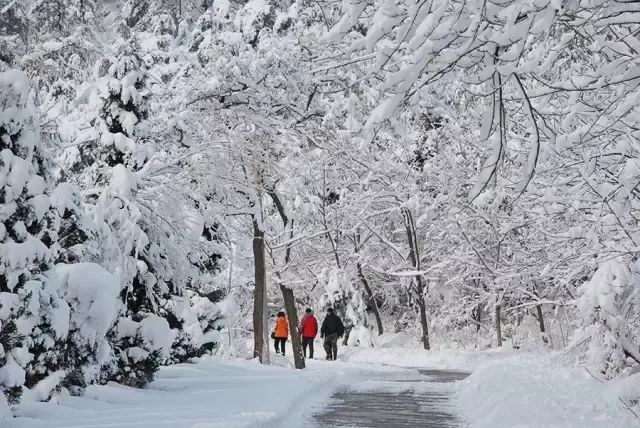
{"x": 506, "y": 390}
{"x": 531, "y": 391}
{"x": 509, "y": 388}
{"x": 210, "y": 393}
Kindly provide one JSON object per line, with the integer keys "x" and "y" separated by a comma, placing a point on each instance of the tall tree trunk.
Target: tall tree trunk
{"x": 478, "y": 317}
{"x": 372, "y": 300}
{"x": 540, "y": 319}
{"x": 425, "y": 324}
{"x": 498, "y": 325}
{"x": 419, "y": 289}
{"x": 287, "y": 293}
{"x": 259, "y": 295}
{"x": 543, "y": 330}
{"x": 292, "y": 316}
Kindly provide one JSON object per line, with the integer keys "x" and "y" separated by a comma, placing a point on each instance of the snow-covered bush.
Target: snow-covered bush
{"x": 73, "y": 226}
{"x": 92, "y": 294}
{"x": 361, "y": 336}
{"x": 609, "y": 310}
{"x": 628, "y": 390}
{"x": 140, "y": 347}
{"x": 341, "y": 294}
{"x": 198, "y": 320}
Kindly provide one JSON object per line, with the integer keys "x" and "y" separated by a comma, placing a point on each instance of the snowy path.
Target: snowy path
{"x": 402, "y": 401}
{"x": 240, "y": 393}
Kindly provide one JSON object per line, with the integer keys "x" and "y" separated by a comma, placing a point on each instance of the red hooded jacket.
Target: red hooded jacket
{"x": 308, "y": 326}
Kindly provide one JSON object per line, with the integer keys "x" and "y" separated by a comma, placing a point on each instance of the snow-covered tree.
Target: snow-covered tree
{"x": 14, "y": 30}
{"x": 34, "y": 315}
{"x": 609, "y": 309}
{"x": 462, "y": 171}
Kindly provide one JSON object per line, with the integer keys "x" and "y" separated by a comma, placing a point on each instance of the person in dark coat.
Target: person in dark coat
{"x": 308, "y": 331}
{"x": 332, "y": 329}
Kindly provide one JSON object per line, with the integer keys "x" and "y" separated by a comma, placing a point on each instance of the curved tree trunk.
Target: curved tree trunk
{"x": 371, "y": 297}
{"x": 287, "y": 293}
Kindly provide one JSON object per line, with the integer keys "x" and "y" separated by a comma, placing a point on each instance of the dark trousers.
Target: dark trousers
{"x": 280, "y": 341}
{"x": 307, "y": 342}
{"x": 331, "y": 345}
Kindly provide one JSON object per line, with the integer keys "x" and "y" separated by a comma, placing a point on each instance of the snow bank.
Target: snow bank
{"x": 401, "y": 350}
{"x": 42, "y": 390}
{"x": 628, "y": 389}
{"x": 11, "y": 374}
{"x": 211, "y": 393}
{"x": 5, "y": 410}
{"x": 361, "y": 336}
{"x": 528, "y": 391}
{"x": 393, "y": 340}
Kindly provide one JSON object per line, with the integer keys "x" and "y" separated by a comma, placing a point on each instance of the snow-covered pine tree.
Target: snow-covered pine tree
{"x": 142, "y": 14}
{"x": 83, "y": 12}
{"x": 90, "y": 291}
{"x": 13, "y": 31}
{"x": 51, "y": 16}
{"x": 34, "y": 318}
{"x": 122, "y": 154}
{"x": 72, "y": 225}
{"x": 346, "y": 298}
{"x": 154, "y": 227}
{"x": 199, "y": 318}
{"x": 183, "y": 240}
{"x": 62, "y": 17}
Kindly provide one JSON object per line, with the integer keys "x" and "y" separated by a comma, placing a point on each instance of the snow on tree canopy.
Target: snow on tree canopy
{"x": 341, "y": 294}
{"x": 156, "y": 334}
{"x": 92, "y": 293}
{"x": 38, "y": 320}
{"x": 22, "y": 182}
{"x": 184, "y": 133}
{"x": 14, "y": 94}
{"x": 22, "y": 179}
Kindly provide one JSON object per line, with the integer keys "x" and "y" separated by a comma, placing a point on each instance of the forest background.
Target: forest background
{"x": 174, "y": 172}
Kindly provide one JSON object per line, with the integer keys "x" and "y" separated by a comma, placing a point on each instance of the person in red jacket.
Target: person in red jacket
{"x": 308, "y": 331}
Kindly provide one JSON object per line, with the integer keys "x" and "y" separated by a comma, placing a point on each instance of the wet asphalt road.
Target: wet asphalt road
{"x": 421, "y": 400}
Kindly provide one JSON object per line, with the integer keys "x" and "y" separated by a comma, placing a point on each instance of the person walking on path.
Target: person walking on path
{"x": 332, "y": 328}
{"x": 308, "y": 331}
{"x": 280, "y": 332}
